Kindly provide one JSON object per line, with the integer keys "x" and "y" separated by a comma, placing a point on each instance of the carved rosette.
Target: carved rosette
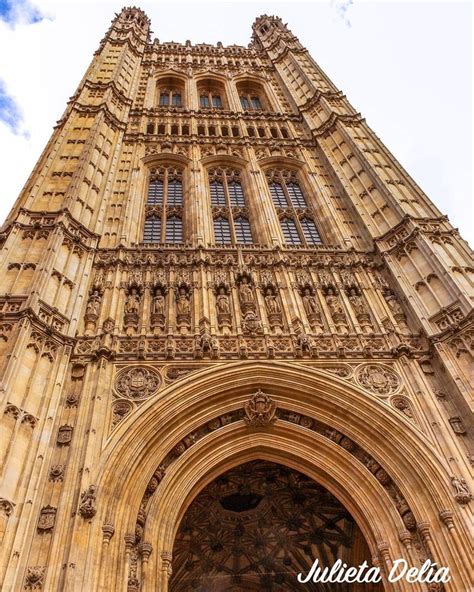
{"x": 137, "y": 383}
{"x": 260, "y": 410}
{"x": 378, "y": 379}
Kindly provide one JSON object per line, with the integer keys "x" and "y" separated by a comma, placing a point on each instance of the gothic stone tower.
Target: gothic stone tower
{"x": 235, "y": 334}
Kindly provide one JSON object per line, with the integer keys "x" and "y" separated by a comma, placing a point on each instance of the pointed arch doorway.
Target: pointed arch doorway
{"x": 258, "y": 525}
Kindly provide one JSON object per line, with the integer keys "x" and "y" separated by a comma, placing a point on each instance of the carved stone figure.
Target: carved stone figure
{"x": 260, "y": 410}
{"x": 87, "y": 507}
{"x": 132, "y": 304}
{"x": 158, "y": 303}
{"x": 462, "y": 493}
{"x": 251, "y": 322}
{"x": 357, "y": 302}
{"x": 182, "y": 303}
{"x": 309, "y": 302}
{"x": 246, "y": 296}
{"x": 393, "y": 304}
{"x": 93, "y": 304}
{"x": 271, "y": 302}
{"x": 333, "y": 303}
{"x": 222, "y": 302}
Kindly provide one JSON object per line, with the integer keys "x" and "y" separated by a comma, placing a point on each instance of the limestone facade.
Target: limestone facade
{"x": 217, "y": 264}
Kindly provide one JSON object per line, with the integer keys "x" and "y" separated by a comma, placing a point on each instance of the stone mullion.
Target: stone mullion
{"x": 64, "y": 271}
{"x": 203, "y": 223}
{"x": 110, "y": 175}
{"x": 263, "y": 203}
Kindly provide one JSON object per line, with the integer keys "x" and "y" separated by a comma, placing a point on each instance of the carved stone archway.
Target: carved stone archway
{"x": 257, "y": 526}
{"x": 159, "y": 460}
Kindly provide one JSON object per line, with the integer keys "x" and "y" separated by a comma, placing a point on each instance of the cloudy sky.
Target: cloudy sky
{"x": 406, "y": 66}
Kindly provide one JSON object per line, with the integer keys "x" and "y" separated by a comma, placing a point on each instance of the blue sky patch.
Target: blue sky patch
{"x": 13, "y": 12}
{"x": 10, "y": 112}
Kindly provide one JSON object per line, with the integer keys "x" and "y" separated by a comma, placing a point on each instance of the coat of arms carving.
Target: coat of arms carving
{"x": 137, "y": 383}
{"x": 260, "y": 410}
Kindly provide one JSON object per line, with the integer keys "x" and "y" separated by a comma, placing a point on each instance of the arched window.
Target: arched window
{"x": 164, "y": 206}
{"x": 252, "y": 96}
{"x": 290, "y": 231}
{"x": 243, "y": 232}
{"x": 211, "y": 94}
{"x": 155, "y": 192}
{"x": 231, "y": 225}
{"x": 296, "y": 196}
{"x": 170, "y": 92}
{"x": 152, "y": 230}
{"x": 236, "y": 194}
{"x": 296, "y": 216}
{"x": 222, "y": 231}
{"x": 310, "y": 232}
{"x": 217, "y": 193}
{"x": 174, "y": 230}
{"x": 278, "y": 195}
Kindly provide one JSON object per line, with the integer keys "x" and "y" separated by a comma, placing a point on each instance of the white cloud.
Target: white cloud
{"x": 406, "y": 66}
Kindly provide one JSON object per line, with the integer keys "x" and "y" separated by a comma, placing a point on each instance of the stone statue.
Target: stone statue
{"x": 222, "y": 302}
{"x": 393, "y": 304}
{"x": 159, "y": 303}
{"x": 182, "y": 303}
{"x": 87, "y": 506}
{"x": 93, "y": 304}
{"x": 132, "y": 304}
{"x": 245, "y": 292}
{"x": 309, "y": 302}
{"x": 333, "y": 303}
{"x": 357, "y": 302}
{"x": 462, "y": 493}
{"x": 271, "y": 302}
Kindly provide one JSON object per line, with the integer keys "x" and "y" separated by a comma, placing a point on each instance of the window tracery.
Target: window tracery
{"x": 164, "y": 206}
{"x": 211, "y": 95}
{"x": 296, "y": 216}
{"x": 230, "y": 215}
{"x": 170, "y": 92}
{"x": 252, "y": 97}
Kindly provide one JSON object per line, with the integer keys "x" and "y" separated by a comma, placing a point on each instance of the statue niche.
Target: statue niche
{"x": 360, "y": 309}
{"x": 183, "y": 308}
{"x": 92, "y": 311}
{"x": 311, "y": 308}
{"x": 158, "y": 308}
{"x": 223, "y": 310}
{"x": 337, "y": 312}
{"x": 132, "y": 310}
{"x": 273, "y": 309}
